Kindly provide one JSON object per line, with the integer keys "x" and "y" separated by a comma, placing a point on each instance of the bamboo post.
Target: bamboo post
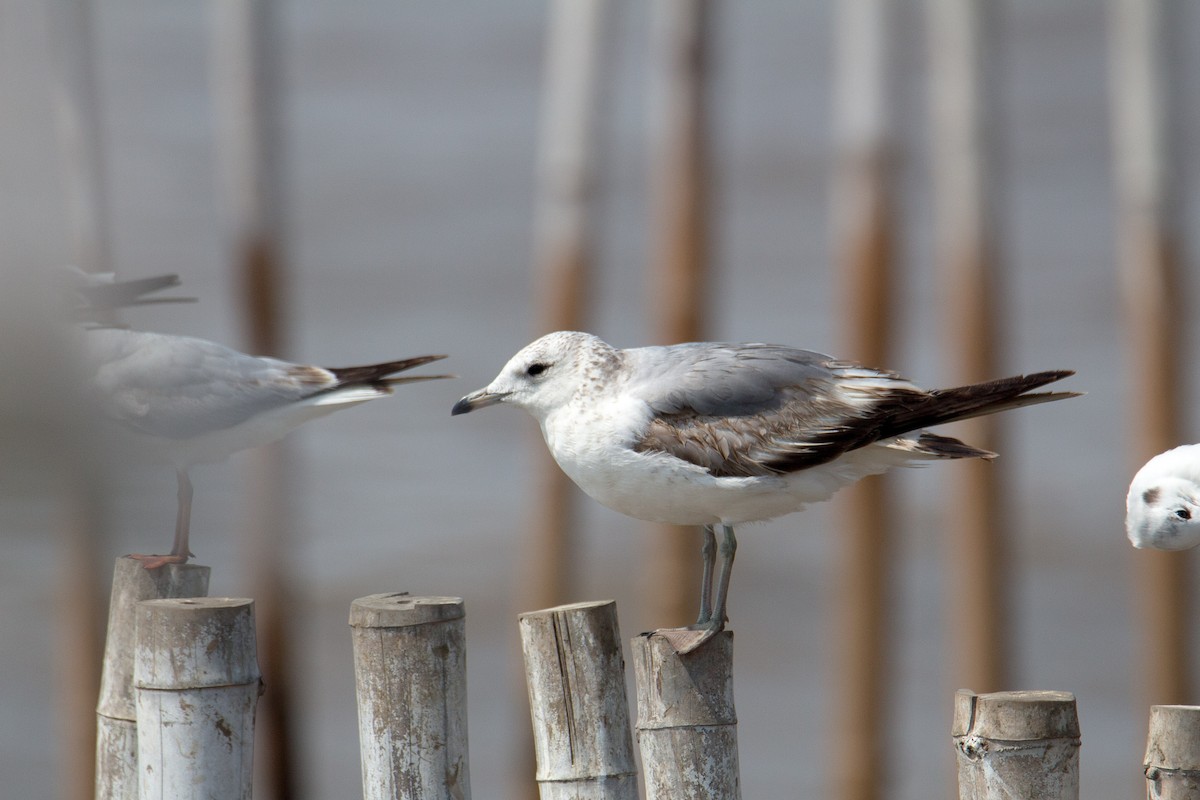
{"x": 410, "y": 670}
{"x": 576, "y": 678}
{"x": 679, "y": 270}
{"x": 1016, "y": 745}
{"x": 197, "y": 682}
{"x": 864, "y": 241}
{"x": 1172, "y": 762}
{"x": 116, "y": 713}
{"x": 686, "y": 722}
{"x": 963, "y": 106}
{"x": 246, "y": 66}
{"x": 1148, "y": 251}
{"x": 564, "y": 212}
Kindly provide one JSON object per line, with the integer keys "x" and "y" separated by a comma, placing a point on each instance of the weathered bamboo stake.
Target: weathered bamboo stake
{"x": 864, "y": 230}
{"x": 686, "y": 722}
{"x": 410, "y": 669}
{"x": 564, "y": 216}
{"x": 1016, "y": 745}
{"x": 197, "y": 682}
{"x": 116, "y": 713}
{"x": 963, "y": 105}
{"x": 251, "y": 149}
{"x": 576, "y": 678}
{"x": 679, "y": 268}
{"x": 1172, "y": 762}
{"x": 1148, "y": 250}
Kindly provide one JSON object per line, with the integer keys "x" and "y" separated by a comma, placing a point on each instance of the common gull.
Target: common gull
{"x": 717, "y": 434}
{"x": 187, "y": 401}
{"x": 1162, "y": 509}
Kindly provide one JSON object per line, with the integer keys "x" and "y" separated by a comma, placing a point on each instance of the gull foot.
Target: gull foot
{"x": 155, "y": 562}
{"x": 685, "y": 640}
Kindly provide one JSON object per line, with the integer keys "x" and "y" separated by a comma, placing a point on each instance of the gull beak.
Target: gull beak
{"x": 480, "y": 399}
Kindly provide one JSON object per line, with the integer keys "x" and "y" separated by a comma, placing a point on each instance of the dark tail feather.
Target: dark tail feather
{"x": 978, "y": 399}
{"x": 380, "y": 374}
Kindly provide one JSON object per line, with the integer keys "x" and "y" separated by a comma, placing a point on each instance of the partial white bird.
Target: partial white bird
{"x": 1162, "y": 509}
{"x": 717, "y": 434}
{"x": 188, "y": 401}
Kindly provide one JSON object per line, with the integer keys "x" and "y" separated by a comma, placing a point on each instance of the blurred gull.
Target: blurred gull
{"x": 188, "y": 401}
{"x": 1162, "y": 509}
{"x": 716, "y": 434}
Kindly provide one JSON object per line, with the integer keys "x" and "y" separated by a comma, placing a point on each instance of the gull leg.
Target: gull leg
{"x": 183, "y": 520}
{"x": 708, "y": 553}
{"x": 728, "y": 551}
{"x": 183, "y": 517}
{"x": 705, "y": 629}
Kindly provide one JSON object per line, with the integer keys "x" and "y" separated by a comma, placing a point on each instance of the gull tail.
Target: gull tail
{"x": 381, "y": 376}
{"x": 965, "y": 402}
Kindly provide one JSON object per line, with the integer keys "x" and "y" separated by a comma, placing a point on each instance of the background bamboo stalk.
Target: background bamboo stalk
{"x": 1148, "y": 255}
{"x": 247, "y": 88}
{"x": 864, "y": 228}
{"x": 965, "y": 116}
{"x": 680, "y": 262}
{"x": 79, "y": 126}
{"x": 564, "y": 217}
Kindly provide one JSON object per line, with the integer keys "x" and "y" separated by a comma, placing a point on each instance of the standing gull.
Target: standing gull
{"x": 189, "y": 401}
{"x": 1162, "y": 509}
{"x": 716, "y": 434}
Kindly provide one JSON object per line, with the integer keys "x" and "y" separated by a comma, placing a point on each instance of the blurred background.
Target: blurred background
{"x": 929, "y": 187}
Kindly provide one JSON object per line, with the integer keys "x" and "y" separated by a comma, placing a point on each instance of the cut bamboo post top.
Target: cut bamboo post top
{"x": 400, "y": 610}
{"x": 1173, "y": 742}
{"x": 575, "y": 673}
{"x": 410, "y": 673}
{"x": 170, "y": 634}
{"x": 1015, "y": 716}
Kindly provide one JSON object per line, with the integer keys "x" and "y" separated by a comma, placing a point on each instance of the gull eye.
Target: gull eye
{"x": 1183, "y": 513}
{"x": 536, "y": 368}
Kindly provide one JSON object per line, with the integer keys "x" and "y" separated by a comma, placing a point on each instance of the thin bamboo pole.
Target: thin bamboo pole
{"x": 197, "y": 683}
{"x": 410, "y": 669}
{"x": 1172, "y": 762}
{"x": 78, "y": 126}
{"x": 116, "y": 712}
{"x": 1148, "y": 253}
{"x": 1016, "y": 745}
{"x": 247, "y": 87}
{"x": 576, "y": 679}
{"x": 864, "y": 233}
{"x": 564, "y": 250}
{"x": 686, "y": 721}
{"x": 963, "y": 106}
{"x": 680, "y": 130}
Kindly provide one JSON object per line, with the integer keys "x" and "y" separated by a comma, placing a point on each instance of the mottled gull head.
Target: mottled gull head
{"x": 1162, "y": 512}
{"x": 547, "y": 374}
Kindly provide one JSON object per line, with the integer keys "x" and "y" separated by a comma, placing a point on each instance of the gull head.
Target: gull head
{"x": 546, "y": 374}
{"x": 1163, "y": 513}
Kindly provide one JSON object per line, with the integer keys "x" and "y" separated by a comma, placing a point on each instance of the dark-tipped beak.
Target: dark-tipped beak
{"x": 479, "y": 399}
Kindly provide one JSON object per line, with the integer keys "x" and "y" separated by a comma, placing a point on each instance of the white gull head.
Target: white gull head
{"x": 1162, "y": 509}
{"x": 547, "y": 374}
